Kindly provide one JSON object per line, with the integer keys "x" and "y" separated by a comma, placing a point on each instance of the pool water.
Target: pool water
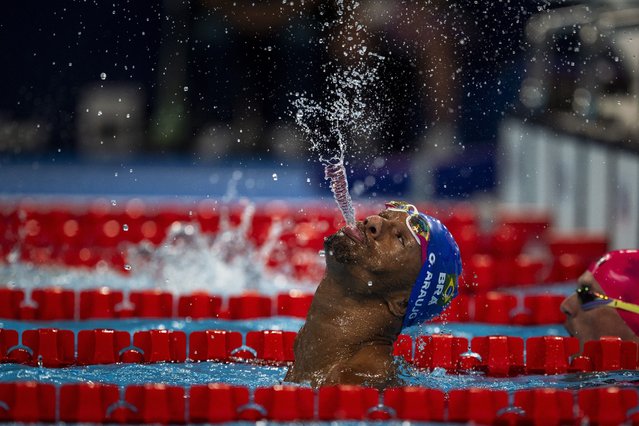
{"x": 253, "y": 376}
{"x": 175, "y": 259}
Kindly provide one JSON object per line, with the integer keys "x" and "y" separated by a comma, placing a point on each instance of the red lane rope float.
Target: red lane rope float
{"x": 215, "y": 403}
{"x": 94, "y": 233}
{"x": 64, "y": 304}
{"x": 496, "y": 356}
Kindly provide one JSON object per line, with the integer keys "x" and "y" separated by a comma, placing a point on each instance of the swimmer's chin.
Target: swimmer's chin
{"x": 569, "y": 329}
{"x": 306, "y": 383}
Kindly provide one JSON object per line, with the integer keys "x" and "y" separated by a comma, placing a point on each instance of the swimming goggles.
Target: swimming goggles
{"x": 591, "y": 299}
{"x": 417, "y": 224}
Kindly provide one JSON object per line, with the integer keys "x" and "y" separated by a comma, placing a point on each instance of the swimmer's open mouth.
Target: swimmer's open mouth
{"x": 354, "y": 233}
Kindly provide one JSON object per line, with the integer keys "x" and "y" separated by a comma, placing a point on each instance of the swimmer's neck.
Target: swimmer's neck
{"x": 344, "y": 330}
{"x": 356, "y": 319}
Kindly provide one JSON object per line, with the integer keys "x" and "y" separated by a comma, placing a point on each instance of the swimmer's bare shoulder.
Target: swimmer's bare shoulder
{"x": 370, "y": 366}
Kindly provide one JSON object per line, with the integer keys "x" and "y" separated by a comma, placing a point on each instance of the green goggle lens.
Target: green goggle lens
{"x": 419, "y": 225}
{"x": 415, "y": 222}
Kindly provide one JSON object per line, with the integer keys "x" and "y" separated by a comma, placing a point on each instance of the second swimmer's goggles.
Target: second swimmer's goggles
{"x": 417, "y": 224}
{"x": 591, "y": 299}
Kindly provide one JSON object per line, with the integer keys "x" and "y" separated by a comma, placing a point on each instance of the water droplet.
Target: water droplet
{"x": 308, "y": 180}
{"x": 125, "y": 227}
{"x": 186, "y": 88}
{"x": 275, "y": 176}
{"x": 128, "y": 115}
{"x": 321, "y": 253}
{"x": 114, "y": 203}
{"x": 99, "y": 113}
{"x": 102, "y": 76}
{"x": 115, "y": 174}
{"x": 370, "y": 283}
{"x": 127, "y": 267}
{"x": 299, "y": 114}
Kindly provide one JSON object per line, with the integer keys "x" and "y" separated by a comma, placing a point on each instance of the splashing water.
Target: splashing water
{"x": 346, "y": 113}
{"x": 188, "y": 260}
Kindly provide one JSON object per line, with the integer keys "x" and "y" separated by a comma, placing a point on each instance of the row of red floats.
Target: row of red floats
{"x": 85, "y": 238}
{"x": 103, "y": 224}
{"x": 104, "y": 303}
{"x": 496, "y": 307}
{"x": 501, "y": 356}
{"x": 60, "y": 304}
{"x": 52, "y": 347}
{"x": 216, "y": 403}
{"x": 497, "y": 356}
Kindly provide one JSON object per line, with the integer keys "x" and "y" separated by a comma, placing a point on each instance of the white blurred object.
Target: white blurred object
{"x": 287, "y": 143}
{"x": 623, "y": 107}
{"x": 439, "y": 145}
{"x": 213, "y": 141}
{"x": 23, "y": 136}
{"x": 625, "y": 214}
{"x": 110, "y": 121}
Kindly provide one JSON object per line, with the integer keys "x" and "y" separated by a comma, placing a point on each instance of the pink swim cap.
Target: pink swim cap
{"x": 617, "y": 273}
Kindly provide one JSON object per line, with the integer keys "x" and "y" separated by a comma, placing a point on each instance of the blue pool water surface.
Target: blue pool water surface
{"x": 252, "y": 375}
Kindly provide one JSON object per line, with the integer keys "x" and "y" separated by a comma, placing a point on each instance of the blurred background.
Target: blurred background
{"x": 522, "y": 101}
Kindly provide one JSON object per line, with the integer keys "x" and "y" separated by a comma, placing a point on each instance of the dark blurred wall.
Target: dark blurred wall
{"x": 194, "y": 68}
{"x": 51, "y": 50}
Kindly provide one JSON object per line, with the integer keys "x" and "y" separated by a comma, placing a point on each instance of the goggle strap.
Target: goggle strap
{"x": 603, "y": 300}
{"x": 396, "y": 209}
{"x": 630, "y": 307}
{"x": 401, "y": 206}
{"x": 594, "y": 304}
{"x": 410, "y": 228}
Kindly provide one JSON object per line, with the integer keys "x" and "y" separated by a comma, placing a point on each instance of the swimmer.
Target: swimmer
{"x": 394, "y": 270}
{"x": 606, "y": 301}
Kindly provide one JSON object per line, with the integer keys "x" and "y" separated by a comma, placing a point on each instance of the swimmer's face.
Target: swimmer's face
{"x": 593, "y": 323}
{"x": 383, "y": 251}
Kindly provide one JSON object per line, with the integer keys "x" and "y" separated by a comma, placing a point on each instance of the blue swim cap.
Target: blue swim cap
{"x": 436, "y": 285}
